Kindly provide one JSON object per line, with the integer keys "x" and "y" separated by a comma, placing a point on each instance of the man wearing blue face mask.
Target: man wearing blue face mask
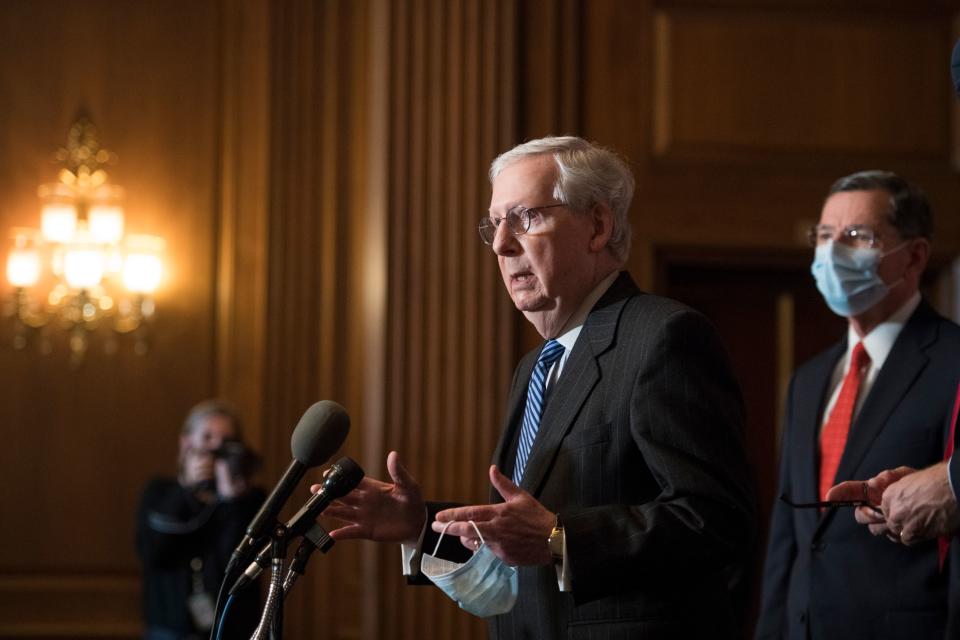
{"x": 878, "y": 399}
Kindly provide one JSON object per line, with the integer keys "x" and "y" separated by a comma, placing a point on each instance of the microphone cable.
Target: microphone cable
{"x": 223, "y": 616}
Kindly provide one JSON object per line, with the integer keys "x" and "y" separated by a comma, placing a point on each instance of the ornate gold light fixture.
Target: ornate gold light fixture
{"x": 80, "y": 270}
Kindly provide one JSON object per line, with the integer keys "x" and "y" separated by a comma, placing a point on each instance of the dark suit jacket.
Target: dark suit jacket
{"x": 826, "y": 576}
{"x": 640, "y": 453}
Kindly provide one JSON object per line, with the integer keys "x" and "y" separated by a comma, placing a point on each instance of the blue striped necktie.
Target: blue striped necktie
{"x": 552, "y": 351}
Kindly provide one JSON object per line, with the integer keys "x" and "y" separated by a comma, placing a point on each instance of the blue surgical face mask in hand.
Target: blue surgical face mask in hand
{"x": 847, "y": 277}
{"x": 484, "y": 585}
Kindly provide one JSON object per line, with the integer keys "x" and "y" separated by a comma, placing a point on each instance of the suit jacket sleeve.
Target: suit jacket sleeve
{"x": 685, "y": 417}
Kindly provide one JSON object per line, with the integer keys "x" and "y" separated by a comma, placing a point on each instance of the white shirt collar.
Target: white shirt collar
{"x": 571, "y": 330}
{"x": 879, "y": 341}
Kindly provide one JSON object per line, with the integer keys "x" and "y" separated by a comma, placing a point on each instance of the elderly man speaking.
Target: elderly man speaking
{"x": 621, "y": 505}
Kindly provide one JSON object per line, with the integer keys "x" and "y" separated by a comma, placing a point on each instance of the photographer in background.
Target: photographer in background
{"x": 188, "y": 526}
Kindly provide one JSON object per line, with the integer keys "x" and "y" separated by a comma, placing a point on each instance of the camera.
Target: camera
{"x": 241, "y": 462}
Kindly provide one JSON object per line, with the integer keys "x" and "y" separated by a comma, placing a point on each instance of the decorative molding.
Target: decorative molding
{"x": 793, "y": 86}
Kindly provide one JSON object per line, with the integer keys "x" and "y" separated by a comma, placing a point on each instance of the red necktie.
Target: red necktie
{"x": 833, "y": 439}
{"x": 943, "y": 543}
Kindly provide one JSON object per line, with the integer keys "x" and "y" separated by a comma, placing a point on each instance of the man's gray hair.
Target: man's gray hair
{"x": 587, "y": 174}
{"x": 910, "y": 211}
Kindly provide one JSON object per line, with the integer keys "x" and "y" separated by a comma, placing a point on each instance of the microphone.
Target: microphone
{"x": 955, "y": 67}
{"x": 340, "y": 479}
{"x": 320, "y": 432}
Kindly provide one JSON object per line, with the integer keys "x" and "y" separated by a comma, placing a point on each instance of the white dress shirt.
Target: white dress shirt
{"x": 877, "y": 344}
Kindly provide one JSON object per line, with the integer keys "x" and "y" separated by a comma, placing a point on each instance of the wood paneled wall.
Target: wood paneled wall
{"x": 78, "y": 444}
{"x": 449, "y": 336}
{"x": 318, "y": 168}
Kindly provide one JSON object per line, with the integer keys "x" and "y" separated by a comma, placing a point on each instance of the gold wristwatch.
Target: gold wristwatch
{"x": 555, "y": 542}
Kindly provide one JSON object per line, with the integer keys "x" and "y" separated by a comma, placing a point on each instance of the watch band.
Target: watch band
{"x": 555, "y": 541}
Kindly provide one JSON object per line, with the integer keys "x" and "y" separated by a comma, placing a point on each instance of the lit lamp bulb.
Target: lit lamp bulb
{"x": 106, "y": 223}
{"x": 23, "y": 266}
{"x": 142, "y": 268}
{"x": 83, "y": 263}
{"x": 58, "y": 222}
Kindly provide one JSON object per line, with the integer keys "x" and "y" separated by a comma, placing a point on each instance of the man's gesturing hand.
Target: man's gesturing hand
{"x": 516, "y": 530}
{"x": 381, "y": 511}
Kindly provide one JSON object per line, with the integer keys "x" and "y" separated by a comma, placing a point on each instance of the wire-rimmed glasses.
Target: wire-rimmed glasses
{"x": 518, "y": 221}
{"x": 860, "y": 236}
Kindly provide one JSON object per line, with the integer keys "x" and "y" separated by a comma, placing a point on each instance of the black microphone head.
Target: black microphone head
{"x": 320, "y": 432}
{"x": 342, "y": 477}
{"x": 955, "y": 67}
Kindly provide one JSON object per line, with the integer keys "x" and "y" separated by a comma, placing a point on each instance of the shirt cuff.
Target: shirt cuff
{"x": 408, "y": 553}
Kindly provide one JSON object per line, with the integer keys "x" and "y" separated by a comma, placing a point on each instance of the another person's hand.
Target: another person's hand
{"x": 515, "y": 530}
{"x": 872, "y": 490}
{"x": 915, "y": 505}
{"x": 197, "y": 467}
{"x": 381, "y": 511}
{"x": 229, "y": 484}
{"x": 921, "y": 506}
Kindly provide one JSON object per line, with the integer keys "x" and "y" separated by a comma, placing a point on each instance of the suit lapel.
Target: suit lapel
{"x": 580, "y": 375}
{"x": 901, "y": 368}
{"x": 809, "y": 417}
{"x": 515, "y": 407}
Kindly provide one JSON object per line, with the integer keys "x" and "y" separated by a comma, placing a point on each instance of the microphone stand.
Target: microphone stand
{"x": 271, "y": 621}
{"x": 315, "y": 538}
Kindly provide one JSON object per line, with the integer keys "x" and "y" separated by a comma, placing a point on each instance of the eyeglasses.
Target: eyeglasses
{"x": 518, "y": 221}
{"x": 827, "y": 504}
{"x": 856, "y": 235}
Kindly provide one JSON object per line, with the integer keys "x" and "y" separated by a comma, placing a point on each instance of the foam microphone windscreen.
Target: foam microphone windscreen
{"x": 320, "y": 432}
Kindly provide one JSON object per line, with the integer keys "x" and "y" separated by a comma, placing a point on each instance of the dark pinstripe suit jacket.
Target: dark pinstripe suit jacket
{"x": 825, "y": 576}
{"x": 640, "y": 453}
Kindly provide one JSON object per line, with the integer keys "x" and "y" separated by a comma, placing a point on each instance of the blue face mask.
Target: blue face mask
{"x": 847, "y": 277}
{"x": 484, "y": 585}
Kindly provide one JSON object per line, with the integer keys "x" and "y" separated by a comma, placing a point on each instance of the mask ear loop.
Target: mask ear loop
{"x": 477, "y": 529}
{"x": 900, "y": 246}
{"x": 444, "y": 532}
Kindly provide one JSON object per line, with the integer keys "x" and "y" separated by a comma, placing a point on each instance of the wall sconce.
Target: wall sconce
{"x": 80, "y": 270}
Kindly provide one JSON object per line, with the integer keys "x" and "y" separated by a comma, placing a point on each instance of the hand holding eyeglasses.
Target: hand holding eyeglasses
{"x": 863, "y": 495}
{"x": 870, "y": 492}
{"x": 829, "y": 504}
